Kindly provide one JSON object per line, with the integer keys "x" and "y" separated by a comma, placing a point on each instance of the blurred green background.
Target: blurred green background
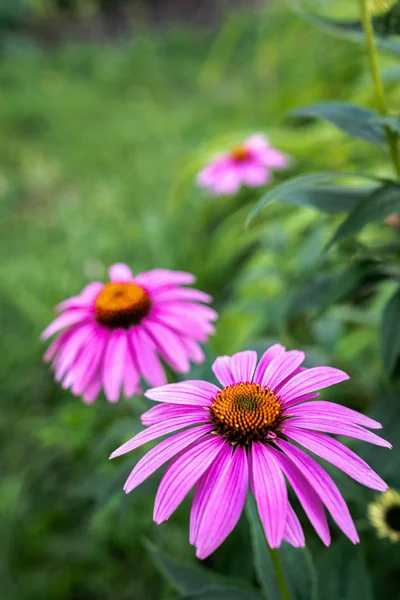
{"x": 101, "y": 138}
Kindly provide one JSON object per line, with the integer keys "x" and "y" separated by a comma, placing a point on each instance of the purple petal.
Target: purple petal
{"x": 72, "y": 317}
{"x": 186, "y": 392}
{"x": 169, "y": 345}
{"x": 165, "y": 411}
{"x": 146, "y": 357}
{"x": 339, "y": 455}
{"x": 293, "y": 531}
{"x": 243, "y": 365}
{"x": 113, "y": 365}
{"x": 330, "y": 409}
{"x": 120, "y": 273}
{"x": 159, "y": 455}
{"x": 309, "y": 500}
{"x": 183, "y": 473}
{"x": 324, "y": 486}
{"x": 281, "y": 367}
{"x": 269, "y": 489}
{"x": 158, "y": 430}
{"x": 225, "y": 500}
{"x": 222, "y": 370}
{"x": 310, "y": 381}
{"x": 336, "y": 426}
{"x": 265, "y": 360}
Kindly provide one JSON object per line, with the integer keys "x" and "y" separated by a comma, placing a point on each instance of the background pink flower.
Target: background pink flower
{"x": 247, "y": 164}
{"x": 115, "y": 333}
{"x": 243, "y": 432}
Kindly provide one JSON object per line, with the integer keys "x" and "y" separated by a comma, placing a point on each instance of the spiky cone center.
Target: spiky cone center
{"x": 245, "y": 412}
{"x": 122, "y": 305}
{"x": 239, "y": 153}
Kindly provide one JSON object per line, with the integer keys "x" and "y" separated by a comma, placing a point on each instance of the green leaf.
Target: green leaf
{"x": 263, "y": 564}
{"x": 300, "y": 573}
{"x": 390, "y": 334}
{"x": 392, "y": 122}
{"x": 184, "y": 579}
{"x": 354, "y": 120}
{"x": 222, "y": 593}
{"x": 302, "y": 182}
{"x": 379, "y": 205}
{"x": 329, "y": 199}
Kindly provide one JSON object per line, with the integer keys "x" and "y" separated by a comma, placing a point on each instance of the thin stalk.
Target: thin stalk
{"x": 376, "y": 78}
{"x": 280, "y": 576}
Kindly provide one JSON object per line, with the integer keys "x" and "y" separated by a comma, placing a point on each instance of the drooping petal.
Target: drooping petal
{"x": 184, "y": 326}
{"x": 164, "y": 411}
{"x": 336, "y": 426}
{"x": 309, "y": 500}
{"x": 81, "y": 336}
{"x": 93, "y": 390}
{"x": 339, "y": 455}
{"x": 243, "y": 365}
{"x": 222, "y": 370}
{"x": 310, "y": 381}
{"x": 281, "y": 367}
{"x": 146, "y": 357}
{"x": 158, "y": 430}
{"x": 120, "y": 273}
{"x": 183, "y": 473}
{"x": 225, "y": 501}
{"x": 270, "y": 492}
{"x": 293, "y": 531}
{"x": 86, "y": 298}
{"x": 67, "y": 319}
{"x": 265, "y": 360}
{"x": 168, "y": 344}
{"x": 194, "y": 350}
{"x": 159, "y": 455}
{"x": 186, "y": 392}
{"x": 162, "y": 278}
{"x": 324, "y": 486}
{"x": 131, "y": 373}
{"x": 113, "y": 365}
{"x": 331, "y": 409}
{"x": 58, "y": 343}
{"x": 89, "y": 364}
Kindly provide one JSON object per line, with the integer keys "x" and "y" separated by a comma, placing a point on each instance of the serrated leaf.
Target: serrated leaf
{"x": 222, "y": 593}
{"x": 390, "y": 334}
{"x": 379, "y": 205}
{"x": 300, "y": 183}
{"x": 329, "y": 199}
{"x": 183, "y": 578}
{"x": 354, "y": 120}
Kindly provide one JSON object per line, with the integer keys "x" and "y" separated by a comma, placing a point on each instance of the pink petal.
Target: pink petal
{"x": 178, "y": 294}
{"x": 310, "y": 381}
{"x": 194, "y": 351}
{"x": 120, "y": 273}
{"x": 131, "y": 373}
{"x": 225, "y": 500}
{"x": 162, "y": 278}
{"x": 330, "y": 409}
{"x": 89, "y": 364}
{"x": 324, "y": 486}
{"x": 254, "y": 174}
{"x": 66, "y": 320}
{"x": 339, "y": 455}
{"x": 182, "y": 326}
{"x": 293, "y": 531}
{"x": 114, "y": 362}
{"x": 92, "y": 391}
{"x": 86, "y": 298}
{"x": 227, "y": 183}
{"x": 159, "y": 455}
{"x": 281, "y": 367}
{"x": 162, "y": 412}
{"x": 81, "y": 337}
{"x": 186, "y": 392}
{"x": 269, "y": 489}
{"x": 169, "y": 345}
{"x": 158, "y": 430}
{"x": 242, "y": 366}
{"x": 57, "y": 343}
{"x": 335, "y": 426}
{"x": 265, "y": 360}
{"x": 299, "y": 399}
{"x": 309, "y": 500}
{"x": 222, "y": 370}
{"x": 183, "y": 473}
{"x": 146, "y": 357}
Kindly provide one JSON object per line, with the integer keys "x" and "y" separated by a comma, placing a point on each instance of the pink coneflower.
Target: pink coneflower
{"x": 247, "y": 164}
{"x": 114, "y": 333}
{"x": 244, "y": 433}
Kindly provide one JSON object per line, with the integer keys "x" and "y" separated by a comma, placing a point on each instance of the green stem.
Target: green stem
{"x": 376, "y": 78}
{"x": 280, "y": 576}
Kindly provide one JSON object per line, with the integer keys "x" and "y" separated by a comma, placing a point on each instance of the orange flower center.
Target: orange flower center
{"x": 121, "y": 305}
{"x": 245, "y": 412}
{"x": 239, "y": 153}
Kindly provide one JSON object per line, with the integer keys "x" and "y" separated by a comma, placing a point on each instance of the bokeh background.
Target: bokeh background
{"x": 107, "y": 111}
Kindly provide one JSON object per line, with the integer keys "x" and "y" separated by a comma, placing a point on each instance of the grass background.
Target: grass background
{"x": 99, "y": 148}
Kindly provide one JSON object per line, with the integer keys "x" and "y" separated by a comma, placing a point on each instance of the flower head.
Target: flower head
{"x": 115, "y": 333}
{"x": 384, "y": 515}
{"x": 244, "y": 431}
{"x": 247, "y": 164}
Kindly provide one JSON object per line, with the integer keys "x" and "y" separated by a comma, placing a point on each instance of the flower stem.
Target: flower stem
{"x": 376, "y": 78}
{"x": 280, "y": 576}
